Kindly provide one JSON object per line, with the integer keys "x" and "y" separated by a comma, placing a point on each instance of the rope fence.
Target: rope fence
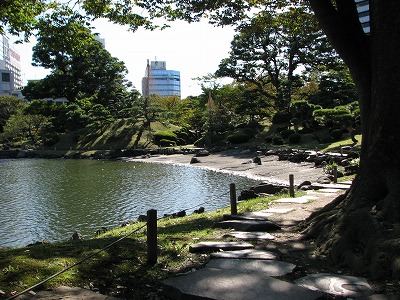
{"x": 151, "y": 233}
{"x": 151, "y": 240}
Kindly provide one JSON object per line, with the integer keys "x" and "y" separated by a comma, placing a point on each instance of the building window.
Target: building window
{"x": 5, "y": 77}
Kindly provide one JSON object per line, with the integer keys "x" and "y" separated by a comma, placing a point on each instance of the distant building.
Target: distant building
{"x": 10, "y": 69}
{"x": 363, "y": 14}
{"x": 160, "y": 81}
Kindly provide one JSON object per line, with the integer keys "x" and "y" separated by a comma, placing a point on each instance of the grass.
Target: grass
{"x": 120, "y": 270}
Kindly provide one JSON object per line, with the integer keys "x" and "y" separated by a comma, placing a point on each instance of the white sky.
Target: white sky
{"x": 193, "y": 49}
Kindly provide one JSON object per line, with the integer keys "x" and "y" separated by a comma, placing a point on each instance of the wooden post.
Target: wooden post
{"x": 291, "y": 185}
{"x": 151, "y": 237}
{"x": 232, "y": 189}
{"x": 335, "y": 174}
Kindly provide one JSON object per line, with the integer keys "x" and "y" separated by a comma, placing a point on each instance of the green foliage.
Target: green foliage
{"x": 281, "y": 117}
{"x": 164, "y": 137}
{"x": 286, "y": 133}
{"x": 335, "y": 88}
{"x": 294, "y": 138}
{"x": 336, "y": 134}
{"x": 25, "y": 128}
{"x": 271, "y": 47}
{"x": 81, "y": 67}
{"x": 276, "y": 140}
{"x": 166, "y": 143}
{"x": 238, "y": 138}
{"x": 9, "y": 105}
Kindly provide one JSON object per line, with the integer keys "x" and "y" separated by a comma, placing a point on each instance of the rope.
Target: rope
{"x": 75, "y": 264}
{"x": 101, "y": 250}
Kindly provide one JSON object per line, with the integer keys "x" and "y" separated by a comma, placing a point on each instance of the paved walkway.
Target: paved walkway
{"x": 237, "y": 271}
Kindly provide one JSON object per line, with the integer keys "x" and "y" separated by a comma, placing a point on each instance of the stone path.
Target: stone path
{"x": 255, "y": 273}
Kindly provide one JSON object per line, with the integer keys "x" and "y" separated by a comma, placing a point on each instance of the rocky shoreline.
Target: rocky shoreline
{"x": 270, "y": 165}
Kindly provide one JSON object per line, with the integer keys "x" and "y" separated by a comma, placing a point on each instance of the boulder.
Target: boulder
{"x": 202, "y": 153}
{"x": 194, "y": 160}
{"x": 267, "y": 188}
{"x": 257, "y": 160}
{"x": 247, "y": 194}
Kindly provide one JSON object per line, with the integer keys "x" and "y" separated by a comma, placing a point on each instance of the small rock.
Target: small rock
{"x": 142, "y": 218}
{"x": 257, "y": 160}
{"x": 194, "y": 160}
{"x": 77, "y": 236}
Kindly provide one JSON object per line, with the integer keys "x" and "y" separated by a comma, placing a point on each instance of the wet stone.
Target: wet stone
{"x": 247, "y": 254}
{"x": 337, "y": 285}
{"x": 218, "y": 246}
{"x": 254, "y": 235}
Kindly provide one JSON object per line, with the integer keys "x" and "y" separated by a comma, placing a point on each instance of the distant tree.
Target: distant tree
{"x": 335, "y": 88}
{"x": 25, "y": 126}
{"x": 81, "y": 67}
{"x": 9, "y": 105}
{"x": 100, "y": 116}
{"x": 272, "y": 47}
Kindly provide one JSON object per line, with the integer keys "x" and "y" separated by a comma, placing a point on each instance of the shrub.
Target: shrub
{"x": 164, "y": 135}
{"x": 279, "y": 129}
{"x": 336, "y": 134}
{"x": 285, "y": 133}
{"x": 166, "y": 143}
{"x": 277, "y": 140}
{"x": 294, "y": 138}
{"x": 268, "y": 139}
{"x": 238, "y": 138}
{"x": 281, "y": 117}
{"x": 252, "y": 132}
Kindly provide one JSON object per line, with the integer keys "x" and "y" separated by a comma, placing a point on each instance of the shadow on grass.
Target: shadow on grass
{"x": 120, "y": 270}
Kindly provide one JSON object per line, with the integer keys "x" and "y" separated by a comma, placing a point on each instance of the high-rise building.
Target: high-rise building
{"x": 160, "y": 81}
{"x": 10, "y": 69}
{"x": 363, "y": 14}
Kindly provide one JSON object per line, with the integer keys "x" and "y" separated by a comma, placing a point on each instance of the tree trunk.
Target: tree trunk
{"x": 362, "y": 229}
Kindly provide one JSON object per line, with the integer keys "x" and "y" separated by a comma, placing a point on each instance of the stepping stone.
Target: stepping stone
{"x": 248, "y": 225}
{"x": 268, "y": 267}
{"x": 329, "y": 190}
{"x": 337, "y": 285}
{"x": 300, "y": 200}
{"x": 383, "y": 297}
{"x": 233, "y": 284}
{"x": 217, "y": 246}
{"x": 348, "y": 182}
{"x": 254, "y": 235}
{"x": 339, "y": 186}
{"x": 245, "y": 217}
{"x": 258, "y": 214}
{"x": 277, "y": 210}
{"x": 247, "y": 254}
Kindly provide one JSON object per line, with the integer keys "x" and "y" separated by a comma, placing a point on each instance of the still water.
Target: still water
{"x": 50, "y": 199}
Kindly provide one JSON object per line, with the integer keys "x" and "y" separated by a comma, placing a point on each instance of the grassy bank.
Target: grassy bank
{"x": 121, "y": 269}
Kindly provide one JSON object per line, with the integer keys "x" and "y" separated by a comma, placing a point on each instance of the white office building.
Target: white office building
{"x": 160, "y": 81}
{"x": 10, "y": 69}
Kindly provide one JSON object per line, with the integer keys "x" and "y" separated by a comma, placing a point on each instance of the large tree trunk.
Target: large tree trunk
{"x": 362, "y": 229}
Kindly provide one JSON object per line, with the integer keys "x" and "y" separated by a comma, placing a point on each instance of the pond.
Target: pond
{"x": 50, "y": 199}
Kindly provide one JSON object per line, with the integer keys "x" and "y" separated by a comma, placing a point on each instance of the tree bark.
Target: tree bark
{"x": 362, "y": 230}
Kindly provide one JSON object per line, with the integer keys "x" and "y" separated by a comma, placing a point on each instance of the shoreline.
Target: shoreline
{"x": 239, "y": 163}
